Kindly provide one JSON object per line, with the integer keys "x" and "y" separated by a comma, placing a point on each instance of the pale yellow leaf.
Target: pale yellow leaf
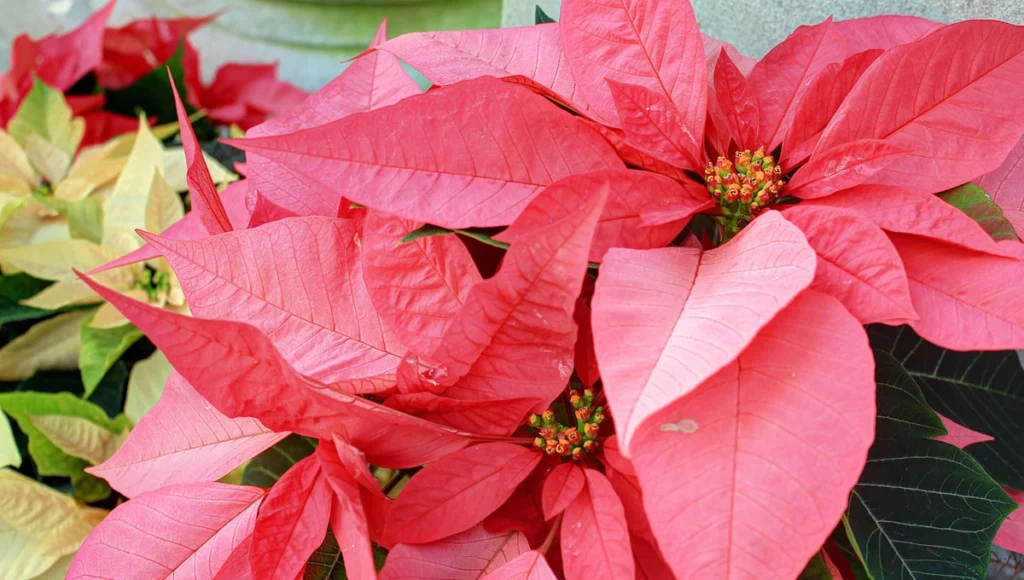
{"x": 54, "y": 260}
{"x": 14, "y": 163}
{"x": 38, "y": 526}
{"x": 73, "y": 292}
{"x": 49, "y": 160}
{"x": 45, "y": 112}
{"x": 12, "y": 185}
{"x": 109, "y": 317}
{"x": 125, "y": 207}
{"x": 175, "y": 169}
{"x": 52, "y": 344}
{"x": 85, "y": 178}
{"x": 9, "y": 454}
{"x": 78, "y": 437}
{"x": 33, "y": 224}
{"x": 145, "y": 385}
{"x": 10, "y": 204}
{"x": 163, "y": 208}
{"x": 59, "y": 571}
{"x": 236, "y": 132}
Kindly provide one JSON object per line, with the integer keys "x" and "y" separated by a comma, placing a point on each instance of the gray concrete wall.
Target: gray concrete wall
{"x": 775, "y": 19}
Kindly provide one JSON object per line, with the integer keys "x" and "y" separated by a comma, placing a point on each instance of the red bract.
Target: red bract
{"x": 133, "y": 50}
{"x": 58, "y": 60}
{"x": 240, "y": 94}
{"x": 732, "y": 402}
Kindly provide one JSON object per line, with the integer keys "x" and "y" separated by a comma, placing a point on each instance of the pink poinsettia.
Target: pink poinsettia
{"x": 727, "y": 396}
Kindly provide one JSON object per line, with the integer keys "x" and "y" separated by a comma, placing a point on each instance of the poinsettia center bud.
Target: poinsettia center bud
{"x": 743, "y": 188}
{"x": 154, "y": 283}
{"x": 579, "y": 432}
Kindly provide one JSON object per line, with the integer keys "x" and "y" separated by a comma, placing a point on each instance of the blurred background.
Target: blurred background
{"x": 310, "y": 37}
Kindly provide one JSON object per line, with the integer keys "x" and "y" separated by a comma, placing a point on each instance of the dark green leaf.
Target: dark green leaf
{"x": 902, "y": 409}
{"x": 973, "y": 201}
{"x": 841, "y": 539}
{"x": 266, "y": 468}
{"x": 89, "y": 488}
{"x": 425, "y": 231}
{"x": 983, "y": 391}
{"x": 17, "y": 287}
{"x": 541, "y": 17}
{"x": 817, "y": 570}
{"x": 110, "y": 392}
{"x": 925, "y": 509}
{"x": 326, "y": 562}
{"x": 101, "y": 347}
{"x": 52, "y": 382}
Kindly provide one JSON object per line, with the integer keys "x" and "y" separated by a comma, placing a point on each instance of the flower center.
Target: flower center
{"x": 555, "y": 437}
{"x": 743, "y": 188}
{"x": 153, "y": 283}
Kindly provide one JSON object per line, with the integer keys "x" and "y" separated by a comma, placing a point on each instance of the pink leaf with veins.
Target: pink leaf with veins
{"x": 960, "y": 436}
{"x": 535, "y": 52}
{"x": 418, "y": 287}
{"x": 561, "y": 486}
{"x": 300, "y": 281}
{"x": 651, "y": 124}
{"x": 883, "y": 32}
{"x": 292, "y": 522}
{"x": 1011, "y": 533}
{"x": 466, "y": 556}
{"x": 595, "y": 542}
{"x": 183, "y": 439}
{"x": 348, "y": 520}
{"x": 655, "y": 309}
{"x": 966, "y": 300}
{"x": 1003, "y": 185}
{"x": 888, "y": 207}
{"x": 237, "y": 369}
{"x": 205, "y": 198}
{"x": 457, "y": 492}
{"x": 735, "y": 105}
{"x": 529, "y": 566}
{"x": 957, "y": 108}
{"x": 843, "y": 167}
{"x": 782, "y": 77}
{"x": 475, "y": 153}
{"x": 656, "y": 45}
{"x": 857, "y": 264}
{"x": 744, "y": 477}
{"x": 189, "y": 529}
{"x": 515, "y": 336}
{"x": 373, "y": 80}
{"x": 631, "y": 195}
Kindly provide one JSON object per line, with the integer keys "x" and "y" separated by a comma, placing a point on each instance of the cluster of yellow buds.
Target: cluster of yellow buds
{"x": 743, "y": 188}
{"x": 554, "y": 437}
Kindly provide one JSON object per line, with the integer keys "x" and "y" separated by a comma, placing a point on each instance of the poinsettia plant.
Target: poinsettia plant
{"x": 109, "y": 73}
{"x": 611, "y": 300}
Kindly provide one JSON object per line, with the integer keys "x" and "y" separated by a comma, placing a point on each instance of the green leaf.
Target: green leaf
{"x": 973, "y": 201}
{"x": 109, "y": 395}
{"x": 9, "y": 454}
{"x": 902, "y": 409}
{"x": 266, "y": 468}
{"x": 817, "y": 570}
{"x": 326, "y": 562}
{"x": 89, "y": 488}
{"x": 541, "y": 17}
{"x": 15, "y": 288}
{"x": 425, "y": 231}
{"x": 983, "y": 391}
{"x": 101, "y": 347}
{"x": 925, "y": 509}
{"x": 44, "y": 112}
{"x": 85, "y": 216}
{"x": 841, "y": 538}
{"x": 152, "y": 93}
{"x": 49, "y": 459}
